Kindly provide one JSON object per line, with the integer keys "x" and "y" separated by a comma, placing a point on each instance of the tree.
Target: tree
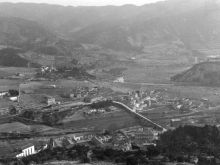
{"x": 13, "y": 92}
{"x": 12, "y": 110}
{"x": 28, "y": 114}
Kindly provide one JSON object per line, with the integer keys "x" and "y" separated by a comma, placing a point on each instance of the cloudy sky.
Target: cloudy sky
{"x": 87, "y": 2}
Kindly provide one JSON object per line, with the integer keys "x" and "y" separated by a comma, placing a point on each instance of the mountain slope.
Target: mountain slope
{"x": 195, "y": 24}
{"x": 23, "y": 33}
{"x": 10, "y": 57}
{"x": 206, "y": 73}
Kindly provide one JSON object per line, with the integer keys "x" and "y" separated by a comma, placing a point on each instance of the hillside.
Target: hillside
{"x": 27, "y": 43}
{"x": 206, "y": 73}
{"x": 150, "y": 29}
{"x": 166, "y": 34}
{"x": 10, "y": 57}
{"x": 23, "y": 33}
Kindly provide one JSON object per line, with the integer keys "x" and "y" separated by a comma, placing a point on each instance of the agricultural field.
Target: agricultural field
{"x": 113, "y": 120}
{"x": 23, "y": 128}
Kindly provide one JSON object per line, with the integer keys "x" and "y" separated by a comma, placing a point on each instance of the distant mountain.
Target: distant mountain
{"x": 183, "y": 24}
{"x": 206, "y": 73}
{"x": 26, "y": 43}
{"x": 23, "y": 33}
{"x": 32, "y": 36}
{"x": 34, "y": 40}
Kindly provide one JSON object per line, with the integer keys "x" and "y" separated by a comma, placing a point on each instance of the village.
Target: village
{"x": 87, "y": 115}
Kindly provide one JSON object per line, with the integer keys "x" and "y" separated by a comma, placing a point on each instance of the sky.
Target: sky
{"x": 87, "y": 2}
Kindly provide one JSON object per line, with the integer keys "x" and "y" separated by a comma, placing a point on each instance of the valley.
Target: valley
{"x": 88, "y": 82}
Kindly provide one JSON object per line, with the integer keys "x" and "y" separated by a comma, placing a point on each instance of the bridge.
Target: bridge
{"x": 145, "y": 119}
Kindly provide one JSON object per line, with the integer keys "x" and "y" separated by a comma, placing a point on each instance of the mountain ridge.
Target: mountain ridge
{"x": 173, "y": 28}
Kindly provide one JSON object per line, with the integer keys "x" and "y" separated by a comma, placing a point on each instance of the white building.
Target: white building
{"x": 119, "y": 80}
{"x": 213, "y": 58}
{"x": 3, "y": 93}
{"x": 26, "y": 151}
{"x": 15, "y": 98}
{"x": 50, "y": 100}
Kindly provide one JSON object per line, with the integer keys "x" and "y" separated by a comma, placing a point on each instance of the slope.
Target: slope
{"x": 206, "y": 73}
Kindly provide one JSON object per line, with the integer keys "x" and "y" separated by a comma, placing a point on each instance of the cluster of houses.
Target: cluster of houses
{"x": 141, "y": 100}
{"x": 145, "y": 100}
{"x": 125, "y": 139}
{"x": 47, "y": 69}
{"x": 82, "y": 92}
{"x": 116, "y": 140}
{"x": 122, "y": 140}
{"x": 94, "y": 111}
{"x": 119, "y": 80}
{"x": 185, "y": 104}
{"x": 141, "y": 135}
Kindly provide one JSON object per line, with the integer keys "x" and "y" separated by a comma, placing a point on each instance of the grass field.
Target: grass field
{"x": 23, "y": 128}
{"x": 116, "y": 120}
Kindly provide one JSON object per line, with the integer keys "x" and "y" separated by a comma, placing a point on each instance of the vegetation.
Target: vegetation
{"x": 80, "y": 153}
{"x": 177, "y": 145}
{"x": 186, "y": 141}
{"x": 9, "y": 57}
{"x": 13, "y": 92}
{"x": 67, "y": 72}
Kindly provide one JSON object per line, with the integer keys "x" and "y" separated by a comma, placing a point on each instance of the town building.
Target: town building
{"x": 27, "y": 150}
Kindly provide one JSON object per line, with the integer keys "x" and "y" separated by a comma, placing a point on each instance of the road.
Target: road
{"x": 150, "y": 84}
{"x": 140, "y": 116}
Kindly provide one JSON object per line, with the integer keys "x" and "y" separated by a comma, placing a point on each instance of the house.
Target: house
{"x": 80, "y": 137}
{"x": 50, "y": 100}
{"x": 119, "y": 80}
{"x": 213, "y": 58}
{"x": 104, "y": 139}
{"x": 14, "y": 99}
{"x": 3, "y": 93}
{"x": 27, "y": 150}
{"x": 97, "y": 99}
{"x": 175, "y": 122}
